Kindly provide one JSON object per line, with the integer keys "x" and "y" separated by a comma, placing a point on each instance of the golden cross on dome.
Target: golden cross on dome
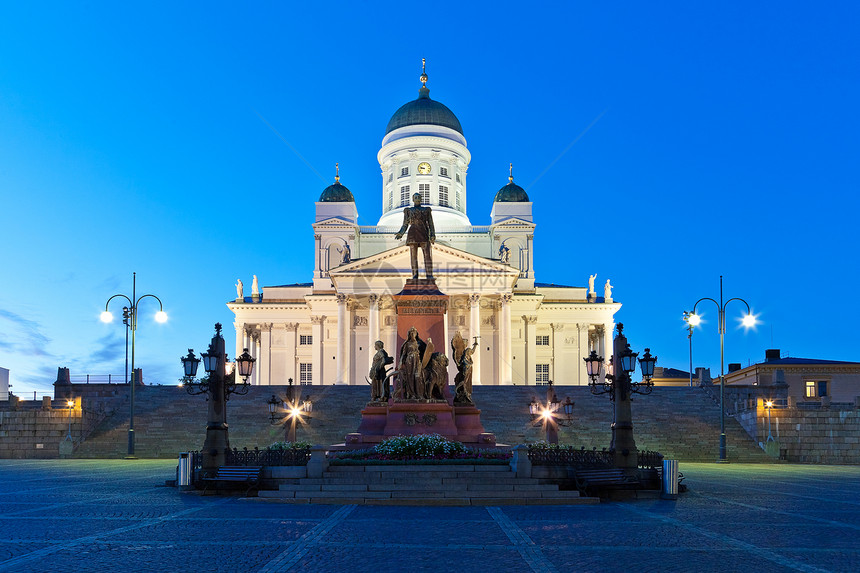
{"x": 337, "y": 173}
{"x": 423, "y": 72}
{"x": 511, "y": 175}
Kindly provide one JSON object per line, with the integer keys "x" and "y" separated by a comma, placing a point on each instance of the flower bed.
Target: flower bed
{"x": 420, "y": 449}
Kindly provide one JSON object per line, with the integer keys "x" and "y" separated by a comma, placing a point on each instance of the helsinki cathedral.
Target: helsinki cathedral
{"x": 323, "y": 332}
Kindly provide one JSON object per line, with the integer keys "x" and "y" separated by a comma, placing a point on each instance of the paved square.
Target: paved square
{"x": 98, "y": 515}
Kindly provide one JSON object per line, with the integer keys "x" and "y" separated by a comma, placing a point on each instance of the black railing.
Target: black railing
{"x": 258, "y": 457}
{"x": 582, "y": 458}
{"x": 570, "y": 456}
{"x": 650, "y": 460}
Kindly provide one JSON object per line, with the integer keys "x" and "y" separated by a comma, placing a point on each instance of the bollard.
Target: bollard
{"x": 183, "y": 472}
{"x": 670, "y": 480}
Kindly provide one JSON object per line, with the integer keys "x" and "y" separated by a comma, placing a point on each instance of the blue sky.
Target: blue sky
{"x": 135, "y": 137}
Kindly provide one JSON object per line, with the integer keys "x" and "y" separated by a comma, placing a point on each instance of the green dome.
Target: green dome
{"x": 511, "y": 193}
{"x": 336, "y": 193}
{"x": 424, "y": 111}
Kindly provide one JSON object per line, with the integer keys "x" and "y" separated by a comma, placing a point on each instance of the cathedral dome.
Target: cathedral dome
{"x": 511, "y": 193}
{"x": 424, "y": 111}
{"x": 336, "y": 193}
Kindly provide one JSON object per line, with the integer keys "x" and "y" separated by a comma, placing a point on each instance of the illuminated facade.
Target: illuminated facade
{"x": 322, "y": 332}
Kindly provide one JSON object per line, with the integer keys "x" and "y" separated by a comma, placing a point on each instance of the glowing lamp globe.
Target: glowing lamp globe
{"x": 106, "y": 316}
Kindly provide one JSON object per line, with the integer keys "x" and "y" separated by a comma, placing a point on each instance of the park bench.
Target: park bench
{"x": 248, "y": 475}
{"x": 590, "y": 481}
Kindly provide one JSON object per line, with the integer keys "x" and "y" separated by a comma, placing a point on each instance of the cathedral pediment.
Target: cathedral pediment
{"x": 334, "y": 221}
{"x": 514, "y": 222}
{"x": 456, "y": 272}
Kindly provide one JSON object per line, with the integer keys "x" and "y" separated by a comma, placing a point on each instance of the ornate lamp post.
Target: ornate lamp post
{"x": 129, "y": 314}
{"x": 620, "y": 387}
{"x": 749, "y": 320}
{"x": 217, "y": 386}
{"x": 295, "y": 411}
{"x": 547, "y": 413}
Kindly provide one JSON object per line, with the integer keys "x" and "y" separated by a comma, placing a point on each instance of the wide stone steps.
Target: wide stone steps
{"x": 423, "y": 485}
{"x": 681, "y": 423}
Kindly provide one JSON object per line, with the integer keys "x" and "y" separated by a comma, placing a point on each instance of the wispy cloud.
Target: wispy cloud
{"x": 27, "y": 336}
{"x": 108, "y": 348}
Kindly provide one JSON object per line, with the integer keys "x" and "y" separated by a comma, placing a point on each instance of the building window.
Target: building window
{"x": 816, "y": 388}
{"x": 443, "y": 171}
{"x": 404, "y": 172}
{"x": 458, "y": 178}
{"x": 424, "y": 189}
{"x": 457, "y": 200}
{"x": 306, "y": 373}
{"x": 443, "y": 195}
{"x": 390, "y": 200}
{"x": 306, "y": 339}
{"x": 541, "y": 373}
{"x": 542, "y": 340}
{"x": 404, "y": 195}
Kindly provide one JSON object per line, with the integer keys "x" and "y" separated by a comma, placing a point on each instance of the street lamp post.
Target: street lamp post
{"x": 129, "y": 314}
{"x": 687, "y": 314}
{"x": 547, "y": 413}
{"x": 70, "y": 404}
{"x": 769, "y": 404}
{"x": 295, "y": 412}
{"x": 619, "y": 385}
{"x": 749, "y": 320}
{"x": 218, "y": 387}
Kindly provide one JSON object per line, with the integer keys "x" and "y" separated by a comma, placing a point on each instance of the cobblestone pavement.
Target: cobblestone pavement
{"x": 100, "y": 515}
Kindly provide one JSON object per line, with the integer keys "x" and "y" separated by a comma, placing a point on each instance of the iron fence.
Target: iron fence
{"x": 570, "y": 456}
{"x": 258, "y": 457}
{"x": 582, "y": 458}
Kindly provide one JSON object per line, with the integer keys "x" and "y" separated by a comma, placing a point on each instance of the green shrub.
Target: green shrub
{"x": 289, "y": 446}
{"x": 419, "y": 446}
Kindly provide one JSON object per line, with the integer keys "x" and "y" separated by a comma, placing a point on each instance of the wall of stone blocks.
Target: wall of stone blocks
{"x": 825, "y": 436}
{"x": 35, "y": 434}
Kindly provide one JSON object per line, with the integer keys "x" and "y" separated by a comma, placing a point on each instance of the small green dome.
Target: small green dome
{"x": 336, "y": 193}
{"x": 511, "y": 193}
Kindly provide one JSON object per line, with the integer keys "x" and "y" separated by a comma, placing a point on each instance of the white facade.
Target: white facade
{"x": 323, "y": 332}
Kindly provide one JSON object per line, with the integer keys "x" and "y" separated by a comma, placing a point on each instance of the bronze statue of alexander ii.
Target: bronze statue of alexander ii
{"x": 419, "y": 221}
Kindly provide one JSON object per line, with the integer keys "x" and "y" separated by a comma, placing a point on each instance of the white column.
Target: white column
{"x": 582, "y": 352}
{"x": 372, "y": 326}
{"x": 318, "y": 271}
{"x": 531, "y": 348}
{"x": 318, "y": 324}
{"x": 557, "y": 328}
{"x": 342, "y": 340}
{"x": 506, "y": 367}
{"x": 240, "y": 339}
{"x": 475, "y": 330}
{"x": 265, "y": 361}
{"x": 291, "y": 343}
{"x": 258, "y": 355}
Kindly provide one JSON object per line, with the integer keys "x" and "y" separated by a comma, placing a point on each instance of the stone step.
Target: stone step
{"x": 681, "y": 423}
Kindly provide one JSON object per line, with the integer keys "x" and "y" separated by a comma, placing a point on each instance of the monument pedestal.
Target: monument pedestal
{"x": 421, "y": 305}
{"x": 409, "y": 417}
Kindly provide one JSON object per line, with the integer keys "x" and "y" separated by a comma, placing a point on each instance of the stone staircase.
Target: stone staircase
{"x": 681, "y": 423}
{"x": 423, "y": 485}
